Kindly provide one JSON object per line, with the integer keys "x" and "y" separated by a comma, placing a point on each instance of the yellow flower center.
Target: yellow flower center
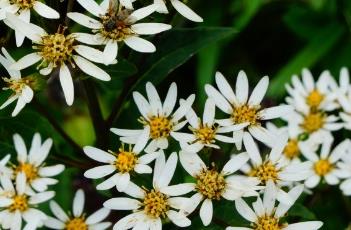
{"x": 78, "y": 223}
{"x": 56, "y": 48}
{"x": 115, "y": 27}
{"x": 313, "y": 122}
{"x": 210, "y": 184}
{"x": 246, "y": 113}
{"x": 314, "y": 99}
{"x": 156, "y": 204}
{"x": 159, "y": 126}
{"x": 30, "y": 170}
{"x": 323, "y": 167}
{"x": 205, "y": 134}
{"x": 291, "y": 149}
{"x": 23, "y": 4}
{"x": 20, "y": 203}
{"x": 125, "y": 161}
{"x": 16, "y": 85}
{"x": 267, "y": 223}
{"x": 265, "y": 172}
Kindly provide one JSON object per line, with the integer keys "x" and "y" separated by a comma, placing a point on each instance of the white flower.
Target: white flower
{"x": 58, "y": 51}
{"x": 243, "y": 109}
{"x": 150, "y": 207}
{"x": 22, "y": 92}
{"x": 344, "y": 97}
{"x": 179, "y": 6}
{"x": 21, "y": 9}
{"x": 265, "y": 215}
{"x": 212, "y": 185}
{"x": 205, "y": 132}
{"x": 32, "y": 163}
{"x": 78, "y": 219}
{"x": 16, "y": 204}
{"x": 307, "y": 95}
{"x": 4, "y": 170}
{"x": 324, "y": 164}
{"x": 274, "y": 167}
{"x": 116, "y": 25}
{"x": 123, "y": 161}
{"x": 344, "y": 166}
{"x": 157, "y": 117}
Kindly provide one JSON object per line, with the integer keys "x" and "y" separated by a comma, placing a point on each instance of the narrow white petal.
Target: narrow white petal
{"x": 245, "y": 211}
{"x": 122, "y": 203}
{"x": 150, "y": 28}
{"x": 58, "y": 212}
{"x": 110, "y": 52}
{"x": 242, "y": 87}
{"x": 45, "y": 11}
{"x": 78, "y": 203}
{"x": 99, "y": 171}
{"x": 235, "y": 163}
{"x": 186, "y": 11}
{"x": 97, "y": 216}
{"x": 91, "y": 69}
{"x": 84, "y": 20}
{"x": 28, "y": 60}
{"x": 259, "y": 91}
{"x": 140, "y": 44}
{"x": 92, "y": 7}
{"x": 206, "y": 212}
{"x": 67, "y": 84}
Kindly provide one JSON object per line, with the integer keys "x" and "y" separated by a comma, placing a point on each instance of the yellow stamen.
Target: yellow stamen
{"x": 156, "y": 204}
{"x": 23, "y": 4}
{"x": 314, "y": 99}
{"x": 323, "y": 167}
{"x": 159, "y": 126}
{"x": 206, "y": 134}
{"x": 20, "y": 203}
{"x": 16, "y": 85}
{"x": 30, "y": 170}
{"x": 125, "y": 160}
{"x": 265, "y": 172}
{"x": 77, "y": 223}
{"x": 246, "y": 113}
{"x": 313, "y": 122}
{"x": 291, "y": 149}
{"x": 115, "y": 26}
{"x": 267, "y": 223}
{"x": 210, "y": 184}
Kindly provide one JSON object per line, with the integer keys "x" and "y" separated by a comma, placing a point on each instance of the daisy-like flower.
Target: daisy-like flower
{"x": 152, "y": 206}
{"x": 157, "y": 117}
{"x": 274, "y": 168}
{"x": 116, "y": 25}
{"x": 205, "y": 132}
{"x": 78, "y": 219}
{"x": 213, "y": 185}
{"x": 16, "y": 204}
{"x": 243, "y": 109}
{"x": 266, "y": 215}
{"x": 21, "y": 9}
{"x": 324, "y": 164}
{"x": 344, "y": 166}
{"x": 344, "y": 97}
{"x": 180, "y": 7}
{"x": 121, "y": 163}
{"x": 308, "y": 96}
{"x": 32, "y": 163}
{"x": 58, "y": 51}
{"x": 21, "y": 87}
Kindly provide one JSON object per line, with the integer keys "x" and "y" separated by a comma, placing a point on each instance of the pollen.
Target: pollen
{"x": 291, "y": 149}
{"x": 313, "y": 122}
{"x": 77, "y": 223}
{"x": 56, "y": 48}
{"x": 23, "y": 4}
{"x": 210, "y": 183}
{"x": 206, "y": 134}
{"x": 20, "y": 203}
{"x": 156, "y": 204}
{"x": 323, "y": 167}
{"x": 159, "y": 126}
{"x": 265, "y": 172}
{"x": 114, "y": 27}
{"x": 125, "y": 160}
{"x": 16, "y": 85}
{"x": 314, "y": 99}
{"x": 246, "y": 113}
{"x": 267, "y": 223}
{"x": 29, "y": 170}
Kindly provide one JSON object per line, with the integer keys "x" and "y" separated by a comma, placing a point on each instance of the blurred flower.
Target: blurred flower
{"x": 344, "y": 97}
{"x": 344, "y": 165}
{"x": 265, "y": 215}
{"x": 157, "y": 117}
{"x": 20, "y": 87}
{"x": 21, "y": 9}
{"x": 212, "y": 185}
{"x": 150, "y": 207}
{"x": 274, "y": 168}
{"x": 32, "y": 163}
{"x": 244, "y": 110}
{"x": 123, "y": 161}
{"x": 205, "y": 132}
{"x": 324, "y": 164}
{"x": 116, "y": 25}
{"x": 4, "y": 170}
{"x": 56, "y": 51}
{"x": 16, "y": 204}
{"x": 78, "y": 220}
{"x": 182, "y": 8}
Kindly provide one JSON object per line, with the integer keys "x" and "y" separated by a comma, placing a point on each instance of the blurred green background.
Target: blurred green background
{"x": 275, "y": 38}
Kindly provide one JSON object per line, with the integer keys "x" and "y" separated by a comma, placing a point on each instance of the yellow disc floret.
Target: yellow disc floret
{"x": 115, "y": 26}
{"x": 210, "y": 183}
{"x": 156, "y": 204}
{"x": 29, "y": 170}
{"x": 23, "y": 4}
{"x": 313, "y": 122}
{"x": 314, "y": 99}
{"x": 125, "y": 160}
{"x": 323, "y": 167}
{"x": 267, "y": 223}
{"x": 205, "y": 134}
{"x": 246, "y": 113}
{"x": 291, "y": 149}
{"x": 265, "y": 172}
{"x": 20, "y": 203}
{"x": 77, "y": 223}
{"x": 159, "y": 126}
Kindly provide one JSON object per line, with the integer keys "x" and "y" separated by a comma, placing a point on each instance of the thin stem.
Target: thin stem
{"x": 101, "y": 130}
{"x": 69, "y": 9}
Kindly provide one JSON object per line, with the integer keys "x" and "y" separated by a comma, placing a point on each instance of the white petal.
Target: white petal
{"x": 98, "y": 154}
{"x": 186, "y": 11}
{"x": 78, "y": 203}
{"x": 242, "y": 87}
{"x": 20, "y": 147}
{"x": 141, "y": 13}
{"x": 275, "y": 112}
{"x": 58, "y": 212}
{"x": 150, "y": 28}
{"x": 178, "y": 218}
{"x": 206, "y": 212}
{"x": 26, "y": 61}
{"x": 140, "y": 44}
{"x": 99, "y": 171}
{"x": 235, "y": 163}
{"x": 167, "y": 172}
{"x": 252, "y": 149}
{"x": 92, "y": 7}
{"x": 310, "y": 225}
{"x": 91, "y": 69}
{"x": 86, "y": 38}
{"x": 110, "y": 52}
{"x": 220, "y": 101}
{"x": 122, "y": 203}
{"x": 245, "y": 211}
{"x": 170, "y": 100}
{"x": 179, "y": 189}
{"x": 259, "y": 91}
{"x": 97, "y": 216}
{"x": 191, "y": 162}
{"x": 45, "y": 11}
{"x": 67, "y": 84}
{"x": 84, "y": 20}
{"x": 50, "y": 171}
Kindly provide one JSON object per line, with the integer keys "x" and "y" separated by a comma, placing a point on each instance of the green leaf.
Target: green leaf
{"x": 301, "y": 211}
{"x": 316, "y": 49}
